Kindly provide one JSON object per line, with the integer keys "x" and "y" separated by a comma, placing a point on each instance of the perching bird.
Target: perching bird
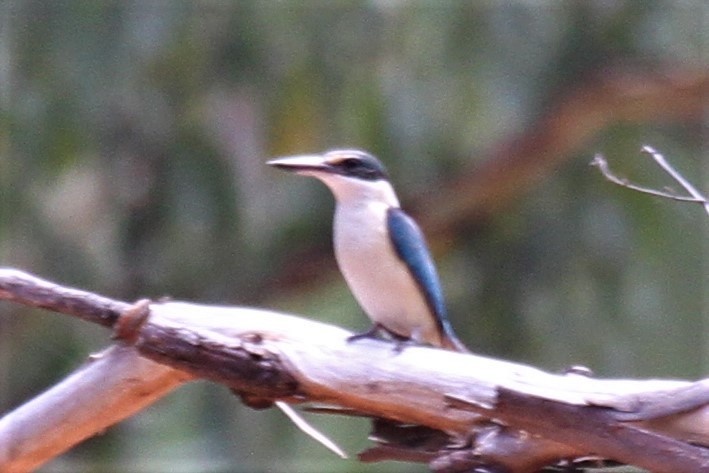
{"x": 380, "y": 250}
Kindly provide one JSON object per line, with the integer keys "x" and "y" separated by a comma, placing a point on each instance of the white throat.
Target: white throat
{"x": 353, "y": 191}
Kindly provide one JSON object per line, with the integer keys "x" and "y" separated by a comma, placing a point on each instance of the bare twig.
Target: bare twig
{"x": 659, "y": 159}
{"x": 695, "y": 196}
{"x": 600, "y": 162}
{"x": 309, "y": 430}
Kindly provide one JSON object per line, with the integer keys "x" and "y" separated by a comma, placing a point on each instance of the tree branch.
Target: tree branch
{"x": 694, "y": 195}
{"x": 614, "y": 94}
{"x": 587, "y": 427}
{"x": 267, "y": 356}
{"x": 109, "y": 388}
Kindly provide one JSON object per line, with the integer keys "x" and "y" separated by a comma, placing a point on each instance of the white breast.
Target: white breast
{"x": 379, "y": 280}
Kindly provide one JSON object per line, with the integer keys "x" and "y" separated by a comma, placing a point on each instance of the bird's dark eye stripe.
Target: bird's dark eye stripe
{"x": 355, "y": 168}
{"x": 347, "y": 162}
{"x": 361, "y": 165}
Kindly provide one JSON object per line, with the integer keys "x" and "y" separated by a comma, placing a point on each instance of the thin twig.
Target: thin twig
{"x": 309, "y": 430}
{"x": 695, "y": 196}
{"x": 660, "y": 160}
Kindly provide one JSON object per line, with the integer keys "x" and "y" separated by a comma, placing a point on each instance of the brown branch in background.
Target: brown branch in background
{"x": 609, "y": 97}
{"x": 518, "y": 163}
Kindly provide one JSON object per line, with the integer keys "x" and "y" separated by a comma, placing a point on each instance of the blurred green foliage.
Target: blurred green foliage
{"x": 131, "y": 164}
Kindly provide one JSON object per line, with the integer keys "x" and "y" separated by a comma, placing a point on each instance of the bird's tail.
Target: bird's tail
{"x": 450, "y": 342}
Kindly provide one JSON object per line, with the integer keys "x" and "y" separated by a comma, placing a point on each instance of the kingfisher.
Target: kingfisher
{"x": 379, "y": 249}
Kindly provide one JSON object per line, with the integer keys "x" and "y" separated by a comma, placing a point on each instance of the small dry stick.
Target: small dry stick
{"x": 695, "y": 196}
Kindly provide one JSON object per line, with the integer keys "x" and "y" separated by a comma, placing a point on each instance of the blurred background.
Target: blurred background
{"x": 133, "y": 137}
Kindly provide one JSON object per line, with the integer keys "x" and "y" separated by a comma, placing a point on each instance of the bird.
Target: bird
{"x": 380, "y": 250}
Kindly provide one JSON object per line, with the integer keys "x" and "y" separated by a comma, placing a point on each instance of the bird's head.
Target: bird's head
{"x": 349, "y": 173}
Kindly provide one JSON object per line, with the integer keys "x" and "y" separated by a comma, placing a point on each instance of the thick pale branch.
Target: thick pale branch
{"x": 27, "y": 289}
{"x": 587, "y": 427}
{"x": 266, "y": 356}
{"x": 659, "y": 404}
{"x": 112, "y": 386}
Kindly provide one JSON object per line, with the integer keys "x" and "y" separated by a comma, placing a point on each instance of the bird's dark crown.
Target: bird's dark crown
{"x": 355, "y": 163}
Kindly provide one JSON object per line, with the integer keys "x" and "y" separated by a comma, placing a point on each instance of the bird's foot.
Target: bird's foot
{"x": 415, "y": 340}
{"x": 370, "y": 333}
{"x": 400, "y": 342}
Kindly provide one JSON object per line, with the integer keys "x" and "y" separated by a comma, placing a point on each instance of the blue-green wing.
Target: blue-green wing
{"x": 410, "y": 245}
